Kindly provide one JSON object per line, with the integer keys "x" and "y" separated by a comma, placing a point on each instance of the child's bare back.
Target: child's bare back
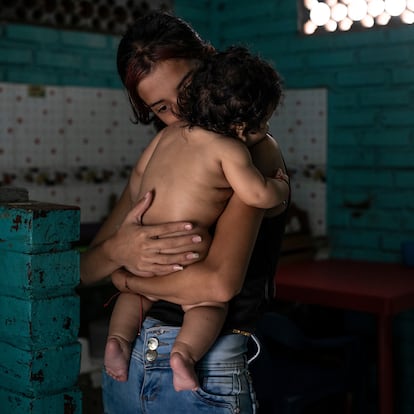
{"x": 184, "y": 171}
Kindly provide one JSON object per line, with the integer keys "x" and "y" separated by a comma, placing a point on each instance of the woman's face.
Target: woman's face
{"x": 159, "y": 89}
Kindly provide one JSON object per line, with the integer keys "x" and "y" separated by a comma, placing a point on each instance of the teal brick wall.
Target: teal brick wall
{"x": 39, "y": 55}
{"x": 370, "y": 80}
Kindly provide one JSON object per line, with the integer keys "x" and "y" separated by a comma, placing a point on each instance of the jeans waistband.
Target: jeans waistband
{"x": 156, "y": 340}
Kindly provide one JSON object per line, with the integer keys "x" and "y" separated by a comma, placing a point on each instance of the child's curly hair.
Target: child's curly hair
{"x": 228, "y": 89}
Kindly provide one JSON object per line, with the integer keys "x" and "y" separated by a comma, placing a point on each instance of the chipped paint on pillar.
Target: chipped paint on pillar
{"x": 48, "y": 370}
{"x": 39, "y": 323}
{"x": 65, "y": 402}
{"x": 39, "y": 275}
{"x": 35, "y": 226}
{"x": 39, "y": 309}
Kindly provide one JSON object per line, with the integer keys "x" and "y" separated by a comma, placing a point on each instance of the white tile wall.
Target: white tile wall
{"x": 300, "y": 127}
{"x": 68, "y": 128}
{"x": 62, "y": 130}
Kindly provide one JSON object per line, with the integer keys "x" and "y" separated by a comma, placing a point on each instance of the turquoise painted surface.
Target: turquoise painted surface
{"x": 53, "y": 57}
{"x": 38, "y": 275}
{"x": 67, "y": 402}
{"x": 36, "y": 226}
{"x": 39, "y": 309}
{"x": 33, "y": 324}
{"x": 39, "y": 371}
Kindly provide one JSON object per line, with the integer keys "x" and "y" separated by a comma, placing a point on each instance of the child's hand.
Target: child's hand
{"x": 284, "y": 189}
{"x": 280, "y": 175}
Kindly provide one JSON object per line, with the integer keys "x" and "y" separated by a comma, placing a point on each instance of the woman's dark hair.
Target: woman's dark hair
{"x": 153, "y": 38}
{"x": 230, "y": 88}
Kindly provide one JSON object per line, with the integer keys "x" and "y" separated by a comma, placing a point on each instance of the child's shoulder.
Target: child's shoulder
{"x": 213, "y": 138}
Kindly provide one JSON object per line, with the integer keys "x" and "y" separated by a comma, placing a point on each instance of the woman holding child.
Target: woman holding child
{"x": 159, "y": 52}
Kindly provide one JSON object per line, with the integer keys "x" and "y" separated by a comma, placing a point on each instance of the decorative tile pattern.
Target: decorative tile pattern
{"x": 300, "y": 127}
{"x": 68, "y": 145}
{"x": 76, "y": 146}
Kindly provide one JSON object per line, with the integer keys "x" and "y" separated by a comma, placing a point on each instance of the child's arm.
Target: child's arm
{"x": 281, "y": 181}
{"x": 246, "y": 180}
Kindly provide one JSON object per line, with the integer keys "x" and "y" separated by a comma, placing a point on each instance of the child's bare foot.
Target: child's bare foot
{"x": 184, "y": 376}
{"x": 116, "y": 360}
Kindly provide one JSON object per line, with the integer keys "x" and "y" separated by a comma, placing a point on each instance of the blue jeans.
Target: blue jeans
{"x": 225, "y": 384}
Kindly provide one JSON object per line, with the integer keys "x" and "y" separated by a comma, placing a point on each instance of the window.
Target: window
{"x": 343, "y": 15}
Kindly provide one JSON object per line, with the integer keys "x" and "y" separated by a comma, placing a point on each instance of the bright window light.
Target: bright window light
{"x": 383, "y": 19}
{"x": 331, "y": 26}
{"x": 368, "y": 21}
{"x": 344, "y": 15}
{"x": 339, "y": 12}
{"x": 345, "y": 24}
{"x": 407, "y": 17}
{"x": 357, "y": 10}
{"x": 320, "y": 14}
{"x": 395, "y": 7}
{"x": 376, "y": 7}
{"x": 309, "y": 27}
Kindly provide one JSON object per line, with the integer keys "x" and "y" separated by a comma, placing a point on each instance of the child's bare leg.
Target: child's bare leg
{"x": 123, "y": 328}
{"x": 116, "y": 360}
{"x": 201, "y": 326}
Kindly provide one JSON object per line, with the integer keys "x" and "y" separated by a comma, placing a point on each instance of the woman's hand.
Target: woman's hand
{"x": 143, "y": 250}
{"x": 157, "y": 249}
{"x": 217, "y": 278}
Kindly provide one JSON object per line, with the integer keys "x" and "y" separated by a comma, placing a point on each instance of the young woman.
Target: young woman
{"x": 224, "y": 110}
{"x": 154, "y": 57}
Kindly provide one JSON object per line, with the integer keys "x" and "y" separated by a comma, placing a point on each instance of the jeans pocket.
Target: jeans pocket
{"x": 221, "y": 385}
{"x": 216, "y": 397}
{"x": 224, "y": 394}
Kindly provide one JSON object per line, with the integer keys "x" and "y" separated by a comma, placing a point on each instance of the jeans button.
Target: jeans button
{"x": 151, "y": 356}
{"x": 152, "y": 344}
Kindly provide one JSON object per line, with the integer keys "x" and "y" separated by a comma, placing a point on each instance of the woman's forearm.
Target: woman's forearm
{"x": 123, "y": 242}
{"x": 220, "y": 276}
{"x": 96, "y": 265}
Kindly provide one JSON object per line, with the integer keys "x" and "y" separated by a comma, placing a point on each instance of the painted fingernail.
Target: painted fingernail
{"x": 177, "y": 267}
{"x": 192, "y": 256}
{"x": 188, "y": 226}
{"x": 196, "y": 239}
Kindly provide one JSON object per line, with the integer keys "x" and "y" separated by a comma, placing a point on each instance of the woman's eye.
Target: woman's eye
{"x": 162, "y": 109}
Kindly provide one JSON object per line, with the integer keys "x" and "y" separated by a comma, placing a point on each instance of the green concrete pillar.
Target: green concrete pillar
{"x": 39, "y": 308}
